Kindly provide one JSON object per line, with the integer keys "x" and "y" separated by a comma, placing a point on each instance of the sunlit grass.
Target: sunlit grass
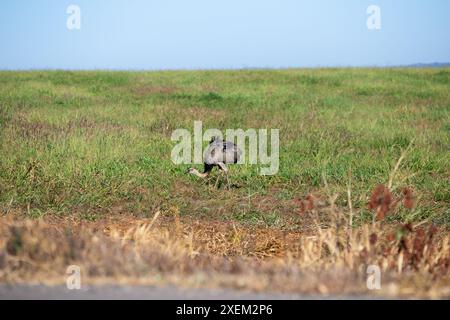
{"x": 83, "y": 142}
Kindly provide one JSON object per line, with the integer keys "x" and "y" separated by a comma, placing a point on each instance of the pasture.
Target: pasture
{"x": 89, "y": 152}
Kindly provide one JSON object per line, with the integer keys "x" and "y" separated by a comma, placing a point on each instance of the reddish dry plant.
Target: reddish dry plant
{"x": 308, "y": 204}
{"x": 408, "y": 198}
{"x": 414, "y": 243}
{"x": 381, "y": 201}
{"x": 373, "y": 239}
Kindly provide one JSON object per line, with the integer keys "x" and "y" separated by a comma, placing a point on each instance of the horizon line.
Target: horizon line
{"x": 419, "y": 65}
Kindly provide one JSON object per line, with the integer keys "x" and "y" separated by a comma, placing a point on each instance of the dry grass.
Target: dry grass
{"x": 329, "y": 259}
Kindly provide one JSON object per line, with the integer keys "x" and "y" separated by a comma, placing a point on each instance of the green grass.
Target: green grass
{"x": 98, "y": 142}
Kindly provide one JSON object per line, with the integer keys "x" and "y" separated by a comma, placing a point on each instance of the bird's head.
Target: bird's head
{"x": 190, "y": 170}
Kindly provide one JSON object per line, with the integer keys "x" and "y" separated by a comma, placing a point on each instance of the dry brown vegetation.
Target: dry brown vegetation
{"x": 329, "y": 258}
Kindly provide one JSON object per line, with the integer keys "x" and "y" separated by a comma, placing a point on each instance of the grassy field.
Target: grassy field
{"x": 87, "y": 147}
{"x": 91, "y": 142}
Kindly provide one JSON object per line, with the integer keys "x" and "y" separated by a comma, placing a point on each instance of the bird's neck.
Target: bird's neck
{"x": 199, "y": 174}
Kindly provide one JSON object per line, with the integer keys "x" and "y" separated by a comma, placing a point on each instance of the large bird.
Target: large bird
{"x": 219, "y": 153}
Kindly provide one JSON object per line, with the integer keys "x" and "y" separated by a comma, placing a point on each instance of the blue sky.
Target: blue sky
{"x": 180, "y": 34}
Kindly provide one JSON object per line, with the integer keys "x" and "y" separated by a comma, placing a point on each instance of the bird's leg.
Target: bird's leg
{"x": 217, "y": 179}
{"x": 228, "y": 180}
{"x": 224, "y": 169}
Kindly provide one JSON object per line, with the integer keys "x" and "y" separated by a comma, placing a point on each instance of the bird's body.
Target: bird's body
{"x": 219, "y": 153}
